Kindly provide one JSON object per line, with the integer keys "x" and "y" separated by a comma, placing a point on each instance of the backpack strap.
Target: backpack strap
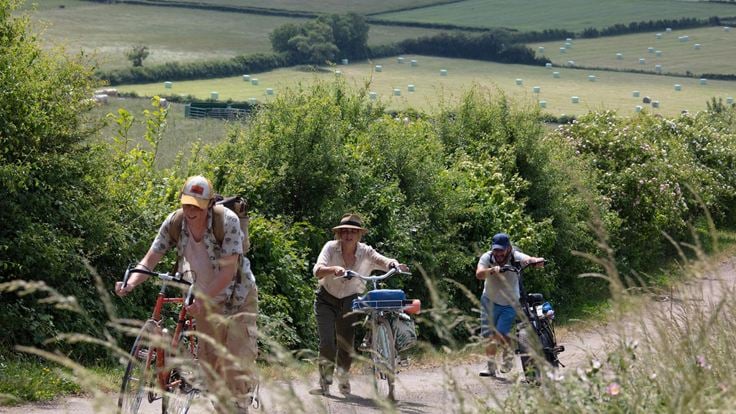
{"x": 218, "y": 225}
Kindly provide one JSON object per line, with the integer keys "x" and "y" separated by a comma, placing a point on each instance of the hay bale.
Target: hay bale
{"x": 269, "y": 91}
{"x": 542, "y": 104}
{"x": 591, "y": 78}
{"x": 563, "y": 50}
{"x": 658, "y": 68}
{"x": 619, "y": 56}
{"x": 642, "y": 61}
{"x": 379, "y": 68}
{"x": 400, "y": 59}
{"x": 344, "y": 61}
{"x": 726, "y": 29}
{"x": 575, "y": 99}
{"x": 668, "y": 30}
{"x": 555, "y": 74}
{"x": 659, "y": 35}
{"x": 703, "y": 81}
{"x": 658, "y": 53}
{"x": 638, "y": 108}
{"x": 411, "y": 88}
{"x": 570, "y": 63}
{"x": 729, "y": 100}
{"x": 696, "y": 46}
{"x": 163, "y": 103}
{"x": 254, "y": 81}
{"x": 397, "y": 92}
{"x": 646, "y": 100}
{"x": 100, "y": 98}
{"x": 168, "y": 85}
{"x": 540, "y": 49}
{"x": 414, "y": 63}
{"x": 547, "y": 65}
{"x": 246, "y": 78}
{"x": 678, "y": 87}
{"x": 519, "y": 81}
{"x": 635, "y": 94}
{"x": 650, "y": 49}
{"x": 443, "y": 72}
{"x": 252, "y": 101}
{"x": 655, "y": 104}
{"x": 536, "y": 89}
{"x": 214, "y": 95}
{"x": 372, "y": 95}
{"x": 338, "y": 73}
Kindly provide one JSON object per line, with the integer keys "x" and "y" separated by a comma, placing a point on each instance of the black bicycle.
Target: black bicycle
{"x": 537, "y": 343}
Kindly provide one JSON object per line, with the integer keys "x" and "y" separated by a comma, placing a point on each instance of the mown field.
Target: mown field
{"x": 320, "y": 6}
{"x": 610, "y": 90}
{"x": 178, "y": 137}
{"x": 573, "y": 15}
{"x": 717, "y": 52}
{"x": 172, "y": 34}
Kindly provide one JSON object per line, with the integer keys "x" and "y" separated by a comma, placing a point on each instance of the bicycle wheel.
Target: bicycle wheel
{"x": 180, "y": 391}
{"x": 139, "y": 377}
{"x": 384, "y": 359}
{"x": 547, "y": 338}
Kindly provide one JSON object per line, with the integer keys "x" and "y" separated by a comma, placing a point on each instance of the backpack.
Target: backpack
{"x": 236, "y": 203}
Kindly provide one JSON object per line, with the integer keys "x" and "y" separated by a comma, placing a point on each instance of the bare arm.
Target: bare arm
{"x": 482, "y": 272}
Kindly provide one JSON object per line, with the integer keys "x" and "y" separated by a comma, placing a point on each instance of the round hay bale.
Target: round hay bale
{"x": 658, "y": 53}
{"x": 246, "y": 78}
{"x": 214, "y": 95}
{"x": 519, "y": 81}
{"x": 678, "y": 87}
{"x": 400, "y": 59}
{"x": 650, "y": 49}
{"x": 726, "y": 29}
{"x": 397, "y": 92}
{"x": 655, "y": 104}
{"x": 547, "y": 65}
{"x": 254, "y": 81}
{"x": 570, "y": 63}
{"x": 414, "y": 63}
{"x": 379, "y": 68}
{"x": 635, "y": 94}
{"x": 372, "y": 95}
{"x": 542, "y": 104}
{"x": 642, "y": 61}
{"x": 646, "y": 100}
{"x": 443, "y": 72}
{"x": 729, "y": 100}
{"x": 703, "y": 81}
{"x": 591, "y": 78}
{"x": 168, "y": 85}
{"x": 668, "y": 30}
{"x": 411, "y": 88}
{"x": 536, "y": 89}
{"x": 540, "y": 49}
{"x": 619, "y": 56}
{"x": 269, "y": 91}
{"x": 638, "y": 108}
{"x": 659, "y": 35}
{"x": 658, "y": 68}
{"x": 575, "y": 99}
{"x": 344, "y": 61}
{"x": 555, "y": 74}
{"x": 563, "y": 50}
{"x": 696, "y": 46}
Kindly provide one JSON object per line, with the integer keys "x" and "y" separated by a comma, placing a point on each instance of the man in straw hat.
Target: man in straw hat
{"x": 333, "y": 305}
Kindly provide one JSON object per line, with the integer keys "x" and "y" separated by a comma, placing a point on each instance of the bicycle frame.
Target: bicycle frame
{"x": 148, "y": 352}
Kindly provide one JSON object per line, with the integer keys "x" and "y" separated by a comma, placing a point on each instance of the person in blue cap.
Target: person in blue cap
{"x": 500, "y": 299}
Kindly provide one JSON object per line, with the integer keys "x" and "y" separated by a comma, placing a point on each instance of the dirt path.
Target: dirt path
{"x": 447, "y": 389}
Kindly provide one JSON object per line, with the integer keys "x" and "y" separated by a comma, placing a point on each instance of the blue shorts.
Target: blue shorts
{"x": 503, "y": 317}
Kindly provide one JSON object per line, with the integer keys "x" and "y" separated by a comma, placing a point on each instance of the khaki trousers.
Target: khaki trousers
{"x": 228, "y": 347}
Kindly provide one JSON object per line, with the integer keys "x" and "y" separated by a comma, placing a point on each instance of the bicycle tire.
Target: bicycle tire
{"x": 384, "y": 360}
{"x": 526, "y": 349}
{"x": 180, "y": 391}
{"x": 139, "y": 378}
{"x": 547, "y": 338}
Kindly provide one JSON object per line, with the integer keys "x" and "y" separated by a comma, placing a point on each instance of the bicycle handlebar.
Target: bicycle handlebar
{"x": 350, "y": 274}
{"x": 166, "y": 277}
{"x": 512, "y": 268}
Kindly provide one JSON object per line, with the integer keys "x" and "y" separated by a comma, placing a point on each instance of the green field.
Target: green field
{"x": 320, "y": 6}
{"x": 717, "y": 53}
{"x": 574, "y": 15}
{"x": 179, "y": 135}
{"x": 172, "y": 34}
{"x": 611, "y": 90}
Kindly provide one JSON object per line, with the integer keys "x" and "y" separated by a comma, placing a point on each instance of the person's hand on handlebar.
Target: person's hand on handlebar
{"x": 400, "y": 266}
{"x": 122, "y": 291}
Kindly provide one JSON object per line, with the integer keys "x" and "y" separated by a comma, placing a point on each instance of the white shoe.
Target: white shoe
{"x": 490, "y": 370}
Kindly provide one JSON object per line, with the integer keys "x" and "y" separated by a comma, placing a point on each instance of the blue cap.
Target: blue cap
{"x": 501, "y": 241}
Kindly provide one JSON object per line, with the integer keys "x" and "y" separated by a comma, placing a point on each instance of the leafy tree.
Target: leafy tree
{"x": 350, "y": 32}
{"x": 137, "y": 54}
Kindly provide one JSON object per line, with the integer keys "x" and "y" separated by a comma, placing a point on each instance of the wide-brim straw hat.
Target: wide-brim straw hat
{"x": 350, "y": 221}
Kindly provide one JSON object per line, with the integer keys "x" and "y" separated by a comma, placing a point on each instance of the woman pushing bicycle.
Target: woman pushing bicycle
{"x": 333, "y": 304}
{"x": 500, "y": 298}
{"x": 209, "y": 244}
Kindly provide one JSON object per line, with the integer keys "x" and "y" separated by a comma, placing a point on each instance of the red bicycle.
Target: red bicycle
{"x": 161, "y": 365}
